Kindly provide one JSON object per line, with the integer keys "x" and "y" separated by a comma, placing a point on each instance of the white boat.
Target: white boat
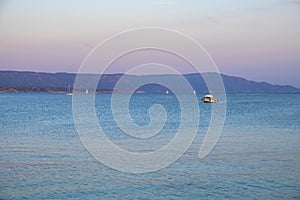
{"x": 167, "y": 92}
{"x": 86, "y": 91}
{"x": 194, "y": 92}
{"x": 69, "y": 93}
{"x": 209, "y": 98}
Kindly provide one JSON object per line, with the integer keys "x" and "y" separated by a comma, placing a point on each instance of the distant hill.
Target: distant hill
{"x": 16, "y": 81}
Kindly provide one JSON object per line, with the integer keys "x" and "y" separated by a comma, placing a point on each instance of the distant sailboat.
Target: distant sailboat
{"x": 86, "y": 91}
{"x": 167, "y": 92}
{"x": 69, "y": 93}
{"x": 194, "y": 92}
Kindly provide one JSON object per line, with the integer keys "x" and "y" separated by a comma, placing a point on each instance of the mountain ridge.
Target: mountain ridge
{"x": 29, "y": 81}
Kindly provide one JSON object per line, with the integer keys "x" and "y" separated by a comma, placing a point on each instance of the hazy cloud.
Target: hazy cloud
{"x": 165, "y": 3}
{"x": 295, "y": 1}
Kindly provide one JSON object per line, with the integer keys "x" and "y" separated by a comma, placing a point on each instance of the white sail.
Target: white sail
{"x": 69, "y": 93}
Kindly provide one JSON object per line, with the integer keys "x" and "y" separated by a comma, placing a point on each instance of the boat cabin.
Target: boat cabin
{"x": 209, "y": 99}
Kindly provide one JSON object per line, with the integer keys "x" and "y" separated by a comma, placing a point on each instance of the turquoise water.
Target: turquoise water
{"x": 256, "y": 157}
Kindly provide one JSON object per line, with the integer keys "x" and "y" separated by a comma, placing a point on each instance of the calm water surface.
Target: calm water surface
{"x": 256, "y": 157}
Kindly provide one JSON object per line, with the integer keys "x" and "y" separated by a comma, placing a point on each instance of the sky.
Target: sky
{"x": 258, "y": 40}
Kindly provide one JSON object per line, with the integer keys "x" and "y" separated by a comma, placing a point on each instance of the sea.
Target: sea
{"x": 257, "y": 155}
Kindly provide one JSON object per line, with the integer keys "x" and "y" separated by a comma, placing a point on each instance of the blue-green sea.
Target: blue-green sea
{"x": 256, "y": 157}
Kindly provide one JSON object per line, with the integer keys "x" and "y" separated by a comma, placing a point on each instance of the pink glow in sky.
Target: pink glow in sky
{"x": 258, "y": 40}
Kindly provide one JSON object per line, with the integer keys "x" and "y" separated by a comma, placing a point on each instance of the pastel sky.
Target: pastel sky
{"x": 258, "y": 39}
